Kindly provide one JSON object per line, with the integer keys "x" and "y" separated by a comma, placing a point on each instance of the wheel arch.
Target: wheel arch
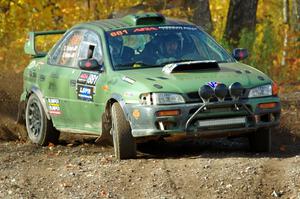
{"x": 40, "y": 95}
{"x": 106, "y": 117}
{"x": 118, "y": 98}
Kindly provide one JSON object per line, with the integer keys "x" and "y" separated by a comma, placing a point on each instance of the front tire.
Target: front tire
{"x": 124, "y": 143}
{"x": 39, "y": 129}
{"x": 260, "y": 140}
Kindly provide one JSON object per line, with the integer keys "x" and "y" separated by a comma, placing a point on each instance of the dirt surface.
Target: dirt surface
{"x": 79, "y": 168}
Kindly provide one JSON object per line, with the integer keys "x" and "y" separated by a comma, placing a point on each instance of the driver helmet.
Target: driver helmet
{"x": 170, "y": 45}
{"x": 116, "y": 46}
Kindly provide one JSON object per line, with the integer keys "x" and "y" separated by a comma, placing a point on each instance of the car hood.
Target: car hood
{"x": 155, "y": 80}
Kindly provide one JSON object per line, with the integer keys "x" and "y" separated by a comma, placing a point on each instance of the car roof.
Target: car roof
{"x": 136, "y": 20}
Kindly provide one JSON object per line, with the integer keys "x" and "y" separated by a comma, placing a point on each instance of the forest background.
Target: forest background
{"x": 269, "y": 29}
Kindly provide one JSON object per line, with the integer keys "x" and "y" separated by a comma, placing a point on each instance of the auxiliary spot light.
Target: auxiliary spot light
{"x": 221, "y": 91}
{"x": 236, "y": 90}
{"x": 206, "y": 93}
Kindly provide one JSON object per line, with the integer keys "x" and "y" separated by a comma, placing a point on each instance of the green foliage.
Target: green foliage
{"x": 266, "y": 49}
{"x": 262, "y": 46}
{"x": 247, "y": 39}
{"x": 219, "y": 9}
{"x": 225, "y": 44}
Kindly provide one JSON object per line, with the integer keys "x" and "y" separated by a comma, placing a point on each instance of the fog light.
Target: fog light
{"x": 168, "y": 113}
{"x": 267, "y": 105}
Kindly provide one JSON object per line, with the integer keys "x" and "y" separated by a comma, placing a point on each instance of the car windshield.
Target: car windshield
{"x": 156, "y": 46}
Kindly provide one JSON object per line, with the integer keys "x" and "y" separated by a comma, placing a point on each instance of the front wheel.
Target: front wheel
{"x": 260, "y": 140}
{"x": 40, "y": 130}
{"x": 124, "y": 143}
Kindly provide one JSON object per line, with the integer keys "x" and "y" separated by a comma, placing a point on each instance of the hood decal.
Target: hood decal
{"x": 128, "y": 80}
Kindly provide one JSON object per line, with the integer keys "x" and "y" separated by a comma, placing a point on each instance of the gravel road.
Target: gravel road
{"x": 79, "y": 168}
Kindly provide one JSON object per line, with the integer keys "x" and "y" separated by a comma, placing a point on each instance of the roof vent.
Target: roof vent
{"x": 145, "y": 19}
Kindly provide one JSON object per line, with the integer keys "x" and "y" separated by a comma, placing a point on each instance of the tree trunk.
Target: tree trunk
{"x": 296, "y": 15}
{"x": 201, "y": 13}
{"x": 144, "y": 6}
{"x": 88, "y": 4}
{"x": 241, "y": 15}
{"x": 286, "y": 21}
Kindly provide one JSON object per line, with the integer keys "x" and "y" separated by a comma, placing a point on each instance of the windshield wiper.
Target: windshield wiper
{"x": 132, "y": 65}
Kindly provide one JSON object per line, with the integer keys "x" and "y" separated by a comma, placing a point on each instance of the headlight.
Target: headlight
{"x": 261, "y": 91}
{"x": 161, "y": 98}
{"x": 167, "y": 98}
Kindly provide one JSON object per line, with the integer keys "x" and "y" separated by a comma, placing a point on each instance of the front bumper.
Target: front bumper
{"x": 145, "y": 122}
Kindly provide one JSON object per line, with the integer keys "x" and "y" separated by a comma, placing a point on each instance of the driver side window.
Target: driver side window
{"x": 90, "y": 47}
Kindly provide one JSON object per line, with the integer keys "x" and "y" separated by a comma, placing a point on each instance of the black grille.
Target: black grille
{"x": 194, "y": 96}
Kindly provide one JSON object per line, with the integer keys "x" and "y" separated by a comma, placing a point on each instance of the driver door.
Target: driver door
{"x": 77, "y": 99}
{"x": 83, "y": 108}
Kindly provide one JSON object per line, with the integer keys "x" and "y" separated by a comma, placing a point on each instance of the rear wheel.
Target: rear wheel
{"x": 124, "y": 143}
{"x": 39, "y": 129}
{"x": 260, "y": 140}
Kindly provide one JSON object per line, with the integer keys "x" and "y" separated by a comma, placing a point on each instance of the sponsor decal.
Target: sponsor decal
{"x": 87, "y": 78}
{"x": 54, "y": 106}
{"x": 119, "y": 33}
{"x": 123, "y": 32}
{"x": 92, "y": 79}
{"x": 177, "y": 28}
{"x": 86, "y": 83}
{"x": 69, "y": 51}
{"x": 75, "y": 38}
{"x": 82, "y": 78}
{"x": 145, "y": 29}
{"x": 213, "y": 84}
{"x": 85, "y": 92}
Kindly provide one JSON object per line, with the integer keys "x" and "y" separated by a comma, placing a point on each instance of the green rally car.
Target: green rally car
{"x": 144, "y": 77}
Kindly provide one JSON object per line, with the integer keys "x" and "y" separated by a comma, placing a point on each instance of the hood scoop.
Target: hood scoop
{"x": 190, "y": 66}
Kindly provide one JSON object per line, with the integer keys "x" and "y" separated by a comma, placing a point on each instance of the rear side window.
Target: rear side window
{"x": 66, "y": 53}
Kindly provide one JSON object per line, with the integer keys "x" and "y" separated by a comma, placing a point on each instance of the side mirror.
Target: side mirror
{"x": 89, "y": 64}
{"x": 240, "y": 53}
